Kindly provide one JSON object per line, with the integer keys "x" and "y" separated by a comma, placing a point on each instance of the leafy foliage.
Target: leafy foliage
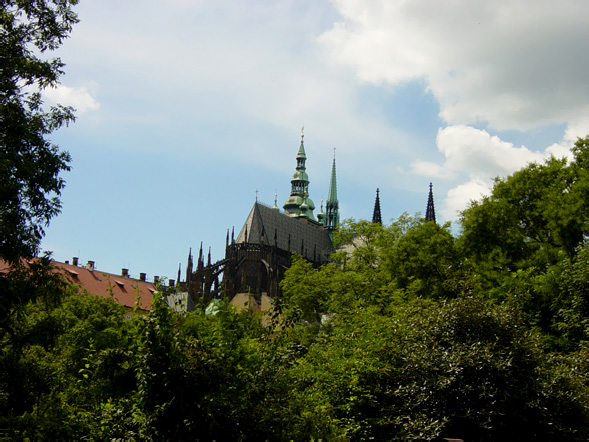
{"x": 531, "y": 215}
{"x": 29, "y": 164}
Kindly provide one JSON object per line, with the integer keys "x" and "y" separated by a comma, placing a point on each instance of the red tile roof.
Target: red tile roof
{"x": 127, "y": 291}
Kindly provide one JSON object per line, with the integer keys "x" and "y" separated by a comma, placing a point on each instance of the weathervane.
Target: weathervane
{"x": 303, "y": 131}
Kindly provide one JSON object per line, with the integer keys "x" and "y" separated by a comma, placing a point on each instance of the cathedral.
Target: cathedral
{"x": 256, "y": 260}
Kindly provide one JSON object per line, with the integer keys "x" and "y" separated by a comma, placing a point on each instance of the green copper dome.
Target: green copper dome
{"x": 300, "y": 175}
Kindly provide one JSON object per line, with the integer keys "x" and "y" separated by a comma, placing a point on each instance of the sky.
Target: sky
{"x": 186, "y": 110}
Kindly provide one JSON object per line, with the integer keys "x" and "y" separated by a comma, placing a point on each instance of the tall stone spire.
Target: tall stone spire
{"x": 430, "y": 212}
{"x": 201, "y": 261}
{"x": 376, "y": 217}
{"x": 332, "y": 204}
{"x": 299, "y": 188}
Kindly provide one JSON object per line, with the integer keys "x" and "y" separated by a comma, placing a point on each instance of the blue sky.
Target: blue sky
{"x": 186, "y": 109}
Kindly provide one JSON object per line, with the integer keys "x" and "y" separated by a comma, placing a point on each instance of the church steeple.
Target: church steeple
{"x": 430, "y": 212}
{"x": 332, "y": 205}
{"x": 299, "y": 188}
{"x": 376, "y": 217}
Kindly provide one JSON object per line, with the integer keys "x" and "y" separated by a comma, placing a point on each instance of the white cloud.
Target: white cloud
{"x": 458, "y": 198}
{"x": 577, "y": 128}
{"x": 513, "y": 63}
{"x": 481, "y": 157}
{"x": 429, "y": 169}
{"x": 479, "y": 154}
{"x": 79, "y": 98}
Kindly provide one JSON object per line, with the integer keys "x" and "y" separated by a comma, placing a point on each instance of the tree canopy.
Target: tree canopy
{"x": 30, "y": 165}
{"x": 532, "y": 215}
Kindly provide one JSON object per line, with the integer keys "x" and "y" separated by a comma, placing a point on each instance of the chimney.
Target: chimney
{"x": 125, "y": 272}
{"x": 75, "y": 260}
{"x": 172, "y": 283}
{"x": 90, "y": 265}
{"x": 156, "y": 280}
{"x": 142, "y": 276}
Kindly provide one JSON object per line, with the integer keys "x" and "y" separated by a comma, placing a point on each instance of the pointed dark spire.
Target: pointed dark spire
{"x": 179, "y": 271}
{"x": 201, "y": 261}
{"x": 189, "y": 266}
{"x": 233, "y": 235}
{"x": 227, "y": 239}
{"x": 209, "y": 257}
{"x": 376, "y": 217}
{"x": 430, "y": 212}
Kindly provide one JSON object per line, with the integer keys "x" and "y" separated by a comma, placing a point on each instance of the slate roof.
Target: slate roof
{"x": 263, "y": 221}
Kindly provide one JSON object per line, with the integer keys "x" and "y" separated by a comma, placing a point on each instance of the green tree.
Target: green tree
{"x": 58, "y": 363}
{"x": 30, "y": 165}
{"x": 424, "y": 260}
{"x": 26, "y": 282}
{"x": 334, "y": 288}
{"x": 554, "y": 301}
{"x": 306, "y": 289}
{"x": 530, "y": 216}
{"x": 459, "y": 368}
{"x": 569, "y": 285}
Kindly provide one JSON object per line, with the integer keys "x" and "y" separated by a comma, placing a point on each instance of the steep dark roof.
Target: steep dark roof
{"x": 264, "y": 224}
